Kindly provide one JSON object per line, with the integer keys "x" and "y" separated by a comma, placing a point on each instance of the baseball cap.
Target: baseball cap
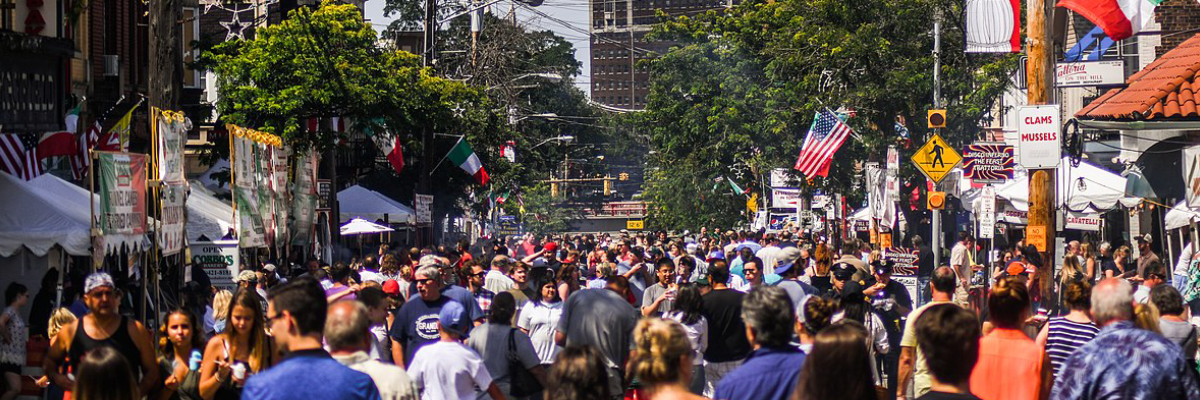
{"x": 1015, "y": 269}
{"x": 550, "y": 247}
{"x": 452, "y": 317}
{"x": 843, "y": 271}
{"x": 247, "y": 276}
{"x": 391, "y": 287}
{"x": 98, "y": 280}
{"x": 784, "y": 268}
{"x": 1145, "y": 238}
{"x": 269, "y": 267}
{"x": 787, "y": 255}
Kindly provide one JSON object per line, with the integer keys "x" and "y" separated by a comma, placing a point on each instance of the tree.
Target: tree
{"x": 543, "y": 214}
{"x": 742, "y": 87}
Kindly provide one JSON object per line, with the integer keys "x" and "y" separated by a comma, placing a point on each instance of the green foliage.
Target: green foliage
{"x": 742, "y": 87}
{"x": 544, "y": 214}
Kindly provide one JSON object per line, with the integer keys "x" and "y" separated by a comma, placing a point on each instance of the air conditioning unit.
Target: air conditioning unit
{"x": 112, "y": 65}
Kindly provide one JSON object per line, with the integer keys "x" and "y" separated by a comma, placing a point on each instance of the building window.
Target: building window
{"x": 191, "y": 33}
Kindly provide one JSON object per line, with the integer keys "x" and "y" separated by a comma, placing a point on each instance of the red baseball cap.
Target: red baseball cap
{"x": 550, "y": 247}
{"x": 391, "y": 287}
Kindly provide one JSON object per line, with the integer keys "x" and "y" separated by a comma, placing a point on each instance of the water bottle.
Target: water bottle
{"x": 195, "y": 360}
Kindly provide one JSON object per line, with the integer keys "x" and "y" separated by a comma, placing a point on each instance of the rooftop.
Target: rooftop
{"x": 1167, "y": 89}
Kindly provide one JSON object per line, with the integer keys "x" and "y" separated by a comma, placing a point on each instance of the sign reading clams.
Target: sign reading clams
{"x": 1040, "y": 144}
{"x": 936, "y": 158}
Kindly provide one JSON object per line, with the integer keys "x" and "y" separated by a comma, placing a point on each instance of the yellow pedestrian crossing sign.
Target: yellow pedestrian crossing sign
{"x": 936, "y": 158}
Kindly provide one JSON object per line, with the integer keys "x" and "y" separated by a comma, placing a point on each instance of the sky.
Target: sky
{"x": 573, "y": 12}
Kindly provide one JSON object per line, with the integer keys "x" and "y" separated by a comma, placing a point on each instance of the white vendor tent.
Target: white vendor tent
{"x": 207, "y": 215}
{"x": 36, "y": 220}
{"x": 69, "y": 196}
{"x": 1083, "y": 188}
{"x": 1180, "y": 216}
{"x": 359, "y": 202}
{"x": 359, "y": 226}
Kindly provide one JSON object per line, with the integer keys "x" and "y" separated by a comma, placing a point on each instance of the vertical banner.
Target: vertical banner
{"x": 892, "y": 176}
{"x": 987, "y": 212}
{"x": 266, "y": 197}
{"x": 171, "y": 131}
{"x": 279, "y": 189}
{"x": 1191, "y": 175}
{"x": 304, "y": 199}
{"x": 250, "y": 227}
{"x": 173, "y": 199}
{"x": 122, "y": 193}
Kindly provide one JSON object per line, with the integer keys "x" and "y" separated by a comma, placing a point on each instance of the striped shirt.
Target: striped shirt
{"x": 1064, "y": 337}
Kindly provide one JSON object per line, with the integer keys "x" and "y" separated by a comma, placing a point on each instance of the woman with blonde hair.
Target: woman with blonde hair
{"x": 221, "y": 310}
{"x": 58, "y": 319}
{"x": 232, "y": 356}
{"x": 1089, "y": 260}
{"x": 662, "y": 359}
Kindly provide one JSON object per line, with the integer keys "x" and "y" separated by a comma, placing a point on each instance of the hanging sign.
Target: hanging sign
{"x": 1191, "y": 175}
{"x": 170, "y": 127}
{"x": 785, "y": 198}
{"x": 424, "y": 208}
{"x": 174, "y": 198}
{"x": 905, "y": 260}
{"x": 218, "y": 259}
{"x": 1040, "y": 144}
{"x": 892, "y": 174}
{"x": 988, "y": 162}
{"x": 122, "y": 193}
{"x": 253, "y": 210}
{"x": 304, "y": 199}
{"x": 1090, "y": 73}
{"x": 987, "y": 212}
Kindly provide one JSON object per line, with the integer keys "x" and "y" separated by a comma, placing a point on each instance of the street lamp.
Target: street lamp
{"x": 563, "y": 138}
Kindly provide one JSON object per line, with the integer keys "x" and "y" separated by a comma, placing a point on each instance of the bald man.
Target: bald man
{"x": 348, "y": 334}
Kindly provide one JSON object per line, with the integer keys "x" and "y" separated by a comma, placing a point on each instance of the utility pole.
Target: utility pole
{"x": 936, "y": 232}
{"x": 1041, "y": 181}
{"x": 166, "y": 58}
{"x": 423, "y": 182}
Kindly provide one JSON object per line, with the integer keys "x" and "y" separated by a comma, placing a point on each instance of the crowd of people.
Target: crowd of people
{"x": 723, "y": 315}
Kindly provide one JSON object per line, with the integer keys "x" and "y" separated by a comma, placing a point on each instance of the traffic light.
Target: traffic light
{"x": 936, "y": 200}
{"x": 623, "y": 176}
{"x": 937, "y": 118}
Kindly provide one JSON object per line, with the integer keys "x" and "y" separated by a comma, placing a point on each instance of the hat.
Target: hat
{"x": 269, "y": 267}
{"x": 784, "y": 268}
{"x": 1145, "y": 238}
{"x": 883, "y": 266}
{"x": 97, "y": 280}
{"x": 787, "y": 255}
{"x": 691, "y": 248}
{"x": 247, "y": 276}
{"x": 853, "y": 288}
{"x": 429, "y": 259}
{"x": 1015, "y": 269}
{"x": 550, "y": 247}
{"x": 391, "y": 287}
{"x": 843, "y": 271}
{"x": 452, "y": 317}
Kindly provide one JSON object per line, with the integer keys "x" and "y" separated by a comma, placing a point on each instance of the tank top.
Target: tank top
{"x": 1064, "y": 336}
{"x": 120, "y": 341}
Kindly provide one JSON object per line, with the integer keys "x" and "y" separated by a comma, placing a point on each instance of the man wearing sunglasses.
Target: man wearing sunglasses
{"x": 475, "y": 283}
{"x": 102, "y": 326}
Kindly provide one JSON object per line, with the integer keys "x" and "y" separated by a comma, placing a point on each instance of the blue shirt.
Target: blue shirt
{"x": 1124, "y": 362}
{"x": 415, "y": 325}
{"x": 310, "y": 374}
{"x": 767, "y": 374}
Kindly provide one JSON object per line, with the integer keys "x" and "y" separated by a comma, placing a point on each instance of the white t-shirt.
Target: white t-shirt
{"x": 541, "y": 319}
{"x": 497, "y": 282}
{"x": 960, "y": 259}
{"x": 1185, "y": 261}
{"x": 767, "y": 254}
{"x": 697, "y": 333}
{"x": 448, "y": 370}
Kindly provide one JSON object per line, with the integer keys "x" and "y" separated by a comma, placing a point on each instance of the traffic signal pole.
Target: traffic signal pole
{"x": 936, "y": 232}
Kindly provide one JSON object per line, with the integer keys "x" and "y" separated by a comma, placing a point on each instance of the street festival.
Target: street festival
{"x": 596, "y": 199}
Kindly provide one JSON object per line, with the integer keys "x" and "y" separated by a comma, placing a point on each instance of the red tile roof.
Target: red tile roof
{"x": 1168, "y": 88}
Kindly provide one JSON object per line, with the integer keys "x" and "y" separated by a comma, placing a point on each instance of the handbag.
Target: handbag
{"x": 521, "y": 382}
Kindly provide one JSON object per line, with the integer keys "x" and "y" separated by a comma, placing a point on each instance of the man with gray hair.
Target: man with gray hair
{"x": 497, "y": 279}
{"x": 772, "y": 368}
{"x": 415, "y": 324}
{"x": 1123, "y": 361}
{"x": 347, "y": 333}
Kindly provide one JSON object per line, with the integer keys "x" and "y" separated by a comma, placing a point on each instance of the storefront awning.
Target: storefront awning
{"x": 1166, "y": 90}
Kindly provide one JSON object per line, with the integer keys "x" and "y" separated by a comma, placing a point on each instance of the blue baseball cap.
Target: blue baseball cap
{"x": 452, "y": 317}
{"x": 784, "y": 268}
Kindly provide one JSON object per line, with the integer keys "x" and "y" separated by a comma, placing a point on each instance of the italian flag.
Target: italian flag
{"x": 1118, "y": 18}
{"x": 466, "y": 159}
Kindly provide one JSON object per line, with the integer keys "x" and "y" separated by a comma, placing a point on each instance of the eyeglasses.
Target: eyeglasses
{"x": 271, "y": 319}
{"x": 481, "y": 274}
{"x": 424, "y": 281}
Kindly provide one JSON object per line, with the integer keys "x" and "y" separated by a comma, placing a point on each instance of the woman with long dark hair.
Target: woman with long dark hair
{"x": 240, "y": 351}
{"x": 686, "y": 311}
{"x": 839, "y": 367}
{"x": 179, "y": 355}
{"x": 854, "y": 307}
{"x": 539, "y": 318}
{"x": 104, "y": 374}
{"x": 14, "y": 335}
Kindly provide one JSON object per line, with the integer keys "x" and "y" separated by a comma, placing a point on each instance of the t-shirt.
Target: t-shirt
{"x": 922, "y": 380}
{"x": 960, "y": 260}
{"x": 723, "y": 310}
{"x": 599, "y": 318}
{"x": 310, "y": 374}
{"x": 1064, "y": 336}
{"x": 697, "y": 334}
{"x": 497, "y": 282}
{"x": 652, "y": 293}
{"x": 448, "y": 370}
{"x": 467, "y": 299}
{"x": 1182, "y": 333}
{"x": 339, "y": 289}
{"x": 947, "y": 396}
{"x": 491, "y": 342}
{"x": 416, "y": 324}
{"x": 541, "y": 319}
{"x": 1009, "y": 366}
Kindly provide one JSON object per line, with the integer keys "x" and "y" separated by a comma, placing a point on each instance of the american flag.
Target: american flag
{"x": 824, "y": 138}
{"x": 82, "y": 159}
{"x": 19, "y": 155}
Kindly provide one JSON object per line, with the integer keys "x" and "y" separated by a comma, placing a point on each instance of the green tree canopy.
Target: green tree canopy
{"x": 738, "y": 94}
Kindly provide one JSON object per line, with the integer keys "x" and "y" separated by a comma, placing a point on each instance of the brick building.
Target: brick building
{"x": 618, "y": 42}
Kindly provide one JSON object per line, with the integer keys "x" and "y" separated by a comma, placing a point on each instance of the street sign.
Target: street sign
{"x": 1036, "y": 236}
{"x": 936, "y": 158}
{"x": 988, "y": 162}
{"x": 423, "y": 205}
{"x": 1040, "y": 143}
{"x": 987, "y": 212}
{"x": 635, "y": 224}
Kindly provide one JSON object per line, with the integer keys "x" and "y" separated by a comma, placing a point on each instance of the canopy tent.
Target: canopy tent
{"x": 359, "y": 202}
{"x": 1083, "y": 188}
{"x": 207, "y": 215}
{"x": 359, "y": 226}
{"x": 70, "y": 196}
{"x": 1180, "y": 216}
{"x": 37, "y": 220}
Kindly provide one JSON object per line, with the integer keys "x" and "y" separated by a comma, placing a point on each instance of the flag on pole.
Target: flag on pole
{"x": 19, "y": 155}
{"x": 465, "y": 158}
{"x": 736, "y": 189}
{"x": 824, "y": 139}
{"x": 81, "y": 160}
{"x": 117, "y": 138}
{"x": 57, "y": 144}
{"x": 1119, "y": 19}
{"x": 71, "y": 122}
{"x": 388, "y": 144}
